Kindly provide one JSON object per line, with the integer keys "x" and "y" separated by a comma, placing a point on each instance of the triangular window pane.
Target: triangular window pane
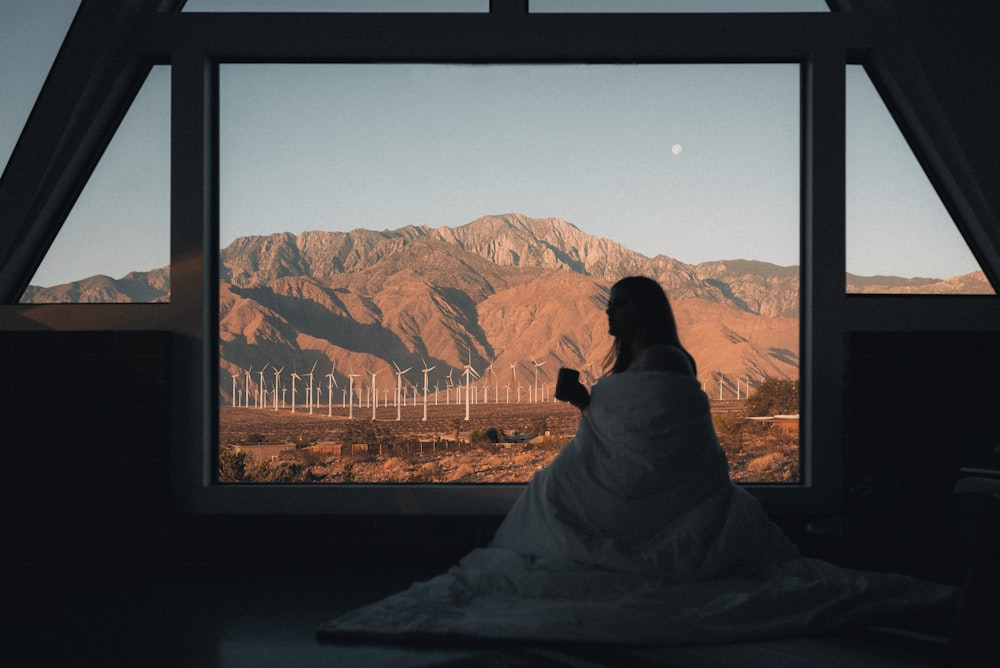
{"x": 899, "y": 236}
{"x": 115, "y": 243}
{"x": 31, "y": 33}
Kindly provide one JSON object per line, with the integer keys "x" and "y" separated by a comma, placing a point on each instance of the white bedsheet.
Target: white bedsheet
{"x": 635, "y": 535}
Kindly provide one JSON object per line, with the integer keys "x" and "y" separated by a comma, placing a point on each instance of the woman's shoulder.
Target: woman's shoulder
{"x": 662, "y": 357}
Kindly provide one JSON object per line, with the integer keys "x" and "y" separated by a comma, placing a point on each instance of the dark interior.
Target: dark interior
{"x": 103, "y": 566}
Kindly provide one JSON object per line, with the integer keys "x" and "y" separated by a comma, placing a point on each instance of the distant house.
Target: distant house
{"x": 787, "y": 423}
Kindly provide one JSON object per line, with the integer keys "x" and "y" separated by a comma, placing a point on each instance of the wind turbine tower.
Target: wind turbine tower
{"x": 309, "y": 393}
{"x": 537, "y": 364}
{"x": 350, "y": 409}
{"x": 331, "y": 382}
{"x": 263, "y": 395}
{"x": 426, "y": 370}
{"x": 399, "y": 390}
{"x": 277, "y": 382}
{"x": 374, "y": 392}
{"x": 295, "y": 377}
{"x": 468, "y": 373}
{"x": 246, "y": 388}
{"x": 513, "y": 373}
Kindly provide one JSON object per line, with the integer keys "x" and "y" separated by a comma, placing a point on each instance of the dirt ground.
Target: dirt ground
{"x": 328, "y": 446}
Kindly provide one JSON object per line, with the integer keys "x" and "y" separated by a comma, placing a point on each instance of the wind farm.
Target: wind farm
{"x": 459, "y": 431}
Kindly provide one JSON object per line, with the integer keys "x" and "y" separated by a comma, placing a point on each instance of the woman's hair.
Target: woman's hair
{"x": 661, "y": 326}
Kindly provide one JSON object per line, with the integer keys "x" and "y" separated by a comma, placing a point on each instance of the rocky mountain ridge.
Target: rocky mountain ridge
{"x": 501, "y": 293}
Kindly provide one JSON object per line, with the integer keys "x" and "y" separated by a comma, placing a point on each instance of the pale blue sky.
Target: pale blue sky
{"x": 381, "y": 146}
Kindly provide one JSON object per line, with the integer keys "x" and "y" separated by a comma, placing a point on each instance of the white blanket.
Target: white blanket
{"x": 635, "y": 535}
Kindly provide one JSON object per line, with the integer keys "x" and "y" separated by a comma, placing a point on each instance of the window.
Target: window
{"x": 379, "y": 220}
{"x": 115, "y": 244}
{"x": 900, "y": 237}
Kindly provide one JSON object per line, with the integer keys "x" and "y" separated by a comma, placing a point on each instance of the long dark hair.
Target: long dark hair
{"x": 661, "y": 327}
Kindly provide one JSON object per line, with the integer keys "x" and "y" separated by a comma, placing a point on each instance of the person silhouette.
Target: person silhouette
{"x": 645, "y": 337}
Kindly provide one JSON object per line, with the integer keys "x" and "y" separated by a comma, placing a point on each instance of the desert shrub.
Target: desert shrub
{"x": 485, "y": 439}
{"x": 373, "y": 433}
{"x": 232, "y": 465}
{"x": 279, "y": 472}
{"x": 776, "y": 466}
{"x": 727, "y": 423}
{"x": 538, "y": 426}
{"x": 774, "y": 397}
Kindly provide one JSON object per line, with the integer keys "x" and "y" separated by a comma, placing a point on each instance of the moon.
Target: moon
{"x": 676, "y": 149}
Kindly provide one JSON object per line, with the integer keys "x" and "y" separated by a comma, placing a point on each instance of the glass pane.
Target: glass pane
{"x": 380, "y": 220}
{"x": 899, "y": 236}
{"x": 115, "y": 243}
{"x": 674, "y": 6}
{"x": 376, "y": 6}
{"x": 31, "y": 33}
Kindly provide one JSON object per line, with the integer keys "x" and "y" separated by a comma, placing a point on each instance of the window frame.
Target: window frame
{"x": 195, "y": 44}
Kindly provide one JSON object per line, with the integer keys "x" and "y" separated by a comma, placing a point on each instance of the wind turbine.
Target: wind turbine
{"x": 448, "y": 384}
{"x": 426, "y": 370}
{"x": 350, "y": 410}
{"x": 331, "y": 382}
{"x": 491, "y": 372}
{"x": 537, "y": 364}
{"x": 277, "y": 382}
{"x": 263, "y": 396}
{"x": 309, "y": 393}
{"x": 374, "y": 392}
{"x": 246, "y": 388}
{"x": 513, "y": 373}
{"x": 468, "y": 373}
{"x": 295, "y": 377}
{"x": 399, "y": 389}
{"x": 722, "y": 379}
{"x": 235, "y": 376}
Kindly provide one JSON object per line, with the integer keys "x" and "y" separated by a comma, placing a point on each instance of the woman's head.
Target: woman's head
{"x": 639, "y": 313}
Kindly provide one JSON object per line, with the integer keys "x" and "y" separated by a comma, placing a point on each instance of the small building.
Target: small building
{"x": 264, "y": 452}
{"x": 787, "y": 423}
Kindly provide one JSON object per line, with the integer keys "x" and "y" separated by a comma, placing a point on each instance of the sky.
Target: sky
{"x": 697, "y": 162}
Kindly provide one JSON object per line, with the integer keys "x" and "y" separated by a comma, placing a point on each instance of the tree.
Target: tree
{"x": 774, "y": 397}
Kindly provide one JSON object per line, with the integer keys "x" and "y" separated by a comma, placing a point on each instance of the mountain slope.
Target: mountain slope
{"x": 499, "y": 291}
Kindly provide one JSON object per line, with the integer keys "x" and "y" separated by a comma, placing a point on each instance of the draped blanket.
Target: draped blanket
{"x": 635, "y": 535}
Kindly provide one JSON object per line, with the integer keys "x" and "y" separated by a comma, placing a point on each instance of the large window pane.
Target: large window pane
{"x": 379, "y": 220}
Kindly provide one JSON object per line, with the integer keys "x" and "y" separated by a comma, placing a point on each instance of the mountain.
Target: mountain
{"x": 499, "y": 291}
{"x": 137, "y": 286}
